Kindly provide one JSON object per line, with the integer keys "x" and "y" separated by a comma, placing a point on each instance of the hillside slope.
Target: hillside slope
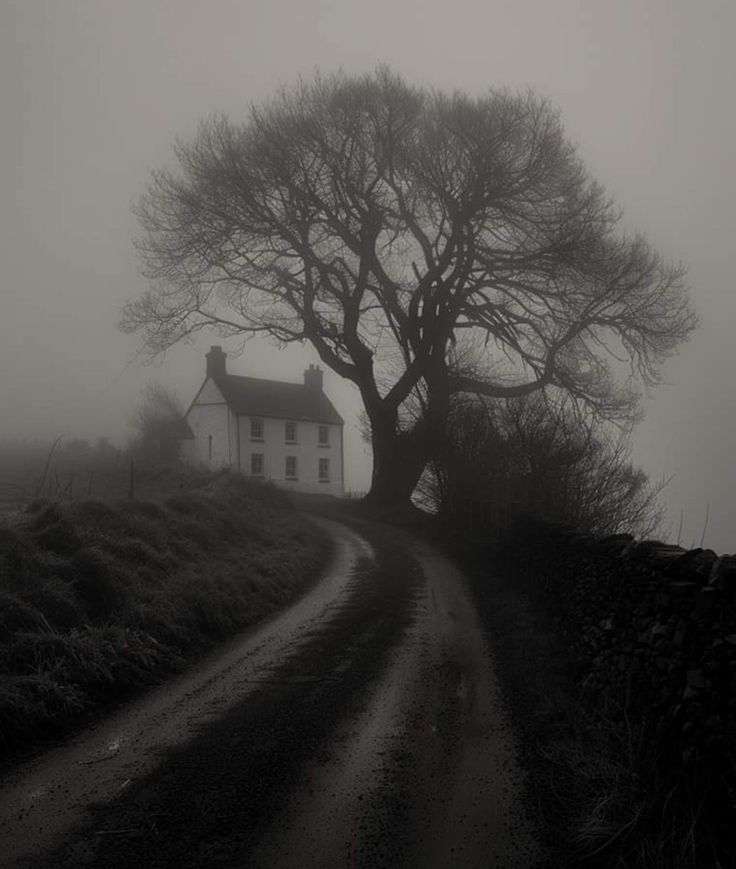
{"x": 98, "y": 599}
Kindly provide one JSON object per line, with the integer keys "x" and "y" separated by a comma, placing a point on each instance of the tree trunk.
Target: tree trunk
{"x": 398, "y": 462}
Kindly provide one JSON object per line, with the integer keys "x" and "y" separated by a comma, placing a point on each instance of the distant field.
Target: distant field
{"x": 20, "y": 488}
{"x": 78, "y": 472}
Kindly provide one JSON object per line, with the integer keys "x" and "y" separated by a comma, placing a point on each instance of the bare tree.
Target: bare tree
{"x": 426, "y": 244}
{"x": 546, "y": 458}
{"x": 157, "y": 421}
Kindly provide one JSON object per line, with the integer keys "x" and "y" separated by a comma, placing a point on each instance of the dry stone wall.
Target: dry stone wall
{"x": 651, "y": 632}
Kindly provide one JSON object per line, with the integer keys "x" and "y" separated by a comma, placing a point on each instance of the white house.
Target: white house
{"x": 289, "y": 433}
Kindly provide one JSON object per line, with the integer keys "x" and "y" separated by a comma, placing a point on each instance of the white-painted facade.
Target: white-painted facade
{"x": 211, "y": 423}
{"x": 304, "y": 454}
{"x": 311, "y": 462}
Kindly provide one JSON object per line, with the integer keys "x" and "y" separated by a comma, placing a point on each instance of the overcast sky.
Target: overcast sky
{"x": 93, "y": 93}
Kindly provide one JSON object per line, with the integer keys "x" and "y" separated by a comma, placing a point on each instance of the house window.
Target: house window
{"x": 323, "y": 435}
{"x": 290, "y": 433}
{"x": 324, "y": 470}
{"x": 256, "y": 464}
{"x": 256, "y": 429}
{"x": 291, "y": 467}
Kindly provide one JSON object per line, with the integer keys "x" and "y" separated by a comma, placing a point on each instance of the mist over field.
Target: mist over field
{"x": 94, "y": 96}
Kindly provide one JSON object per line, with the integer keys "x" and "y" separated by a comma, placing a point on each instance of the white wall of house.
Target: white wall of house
{"x": 222, "y": 439}
{"x": 209, "y": 418}
{"x": 306, "y": 450}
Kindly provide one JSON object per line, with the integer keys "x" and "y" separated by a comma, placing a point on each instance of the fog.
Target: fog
{"x": 94, "y": 94}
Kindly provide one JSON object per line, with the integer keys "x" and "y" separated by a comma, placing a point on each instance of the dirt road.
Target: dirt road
{"x": 360, "y": 728}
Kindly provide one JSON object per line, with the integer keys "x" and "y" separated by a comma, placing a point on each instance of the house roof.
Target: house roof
{"x": 274, "y": 398}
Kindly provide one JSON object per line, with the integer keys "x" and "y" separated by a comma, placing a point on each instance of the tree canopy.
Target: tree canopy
{"x": 425, "y": 244}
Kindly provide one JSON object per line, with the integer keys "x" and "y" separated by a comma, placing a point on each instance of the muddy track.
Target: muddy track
{"x": 207, "y": 800}
{"x": 370, "y": 738}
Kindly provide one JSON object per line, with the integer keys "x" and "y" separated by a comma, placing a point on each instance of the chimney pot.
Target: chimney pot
{"x": 216, "y": 361}
{"x": 313, "y": 378}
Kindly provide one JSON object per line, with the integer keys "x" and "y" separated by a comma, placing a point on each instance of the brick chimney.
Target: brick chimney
{"x": 215, "y": 362}
{"x": 313, "y": 378}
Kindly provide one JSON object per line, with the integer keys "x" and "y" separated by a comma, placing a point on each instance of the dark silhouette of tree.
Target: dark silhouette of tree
{"x": 425, "y": 244}
{"x": 157, "y": 421}
{"x": 500, "y": 457}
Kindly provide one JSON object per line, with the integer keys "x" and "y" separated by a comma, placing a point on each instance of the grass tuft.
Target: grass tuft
{"x": 57, "y": 537}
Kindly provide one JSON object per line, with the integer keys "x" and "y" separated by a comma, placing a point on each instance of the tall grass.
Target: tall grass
{"x": 98, "y": 599}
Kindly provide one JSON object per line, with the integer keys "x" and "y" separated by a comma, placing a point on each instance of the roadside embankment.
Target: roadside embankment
{"x": 99, "y": 599}
{"x": 648, "y": 633}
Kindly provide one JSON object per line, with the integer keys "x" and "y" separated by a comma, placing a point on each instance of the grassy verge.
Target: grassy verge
{"x": 99, "y": 599}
